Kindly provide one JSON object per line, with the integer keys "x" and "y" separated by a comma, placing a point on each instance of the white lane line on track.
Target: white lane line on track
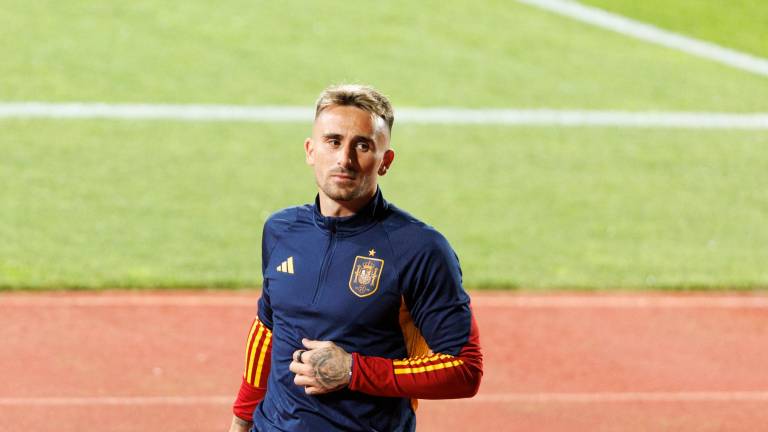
{"x": 116, "y": 400}
{"x": 478, "y": 300}
{"x": 456, "y": 116}
{"x": 42, "y": 300}
{"x": 653, "y": 34}
{"x": 624, "y": 302}
{"x": 704, "y": 396}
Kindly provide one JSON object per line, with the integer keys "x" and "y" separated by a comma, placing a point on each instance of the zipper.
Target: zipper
{"x": 326, "y": 261}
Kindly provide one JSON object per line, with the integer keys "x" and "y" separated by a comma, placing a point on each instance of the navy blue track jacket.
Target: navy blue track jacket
{"x": 381, "y": 285}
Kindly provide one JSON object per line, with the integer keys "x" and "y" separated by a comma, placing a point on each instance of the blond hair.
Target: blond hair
{"x": 364, "y": 97}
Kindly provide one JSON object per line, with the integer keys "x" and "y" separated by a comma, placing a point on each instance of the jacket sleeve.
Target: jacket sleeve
{"x": 258, "y": 352}
{"x": 452, "y": 363}
{"x": 432, "y": 376}
{"x": 258, "y": 348}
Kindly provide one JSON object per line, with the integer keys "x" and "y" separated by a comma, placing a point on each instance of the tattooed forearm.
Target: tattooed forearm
{"x": 331, "y": 366}
{"x": 239, "y": 425}
{"x": 240, "y": 422}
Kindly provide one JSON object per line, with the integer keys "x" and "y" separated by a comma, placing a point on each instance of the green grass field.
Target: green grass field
{"x": 104, "y": 203}
{"x": 737, "y": 24}
{"x": 430, "y": 54}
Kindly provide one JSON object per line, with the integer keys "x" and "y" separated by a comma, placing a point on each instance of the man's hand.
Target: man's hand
{"x": 239, "y": 425}
{"x": 322, "y": 368}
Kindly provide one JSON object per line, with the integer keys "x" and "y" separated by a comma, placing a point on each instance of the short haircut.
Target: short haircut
{"x": 364, "y": 97}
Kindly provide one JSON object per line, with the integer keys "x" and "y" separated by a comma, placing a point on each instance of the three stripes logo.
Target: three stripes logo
{"x": 286, "y": 266}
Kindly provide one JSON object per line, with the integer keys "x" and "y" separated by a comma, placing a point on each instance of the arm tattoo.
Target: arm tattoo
{"x": 332, "y": 366}
{"x": 240, "y": 422}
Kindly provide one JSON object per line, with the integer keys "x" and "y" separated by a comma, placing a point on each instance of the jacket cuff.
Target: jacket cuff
{"x": 247, "y": 399}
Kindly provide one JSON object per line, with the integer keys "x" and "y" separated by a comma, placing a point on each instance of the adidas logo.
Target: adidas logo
{"x": 286, "y": 266}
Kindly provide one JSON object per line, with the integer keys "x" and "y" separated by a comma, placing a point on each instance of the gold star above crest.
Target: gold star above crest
{"x": 372, "y": 252}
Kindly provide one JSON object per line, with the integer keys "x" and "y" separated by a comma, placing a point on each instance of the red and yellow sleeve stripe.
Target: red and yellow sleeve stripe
{"x": 422, "y": 375}
{"x": 423, "y": 364}
{"x": 257, "y": 354}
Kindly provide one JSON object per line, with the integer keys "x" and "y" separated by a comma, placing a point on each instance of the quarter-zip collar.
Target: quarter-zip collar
{"x": 350, "y": 225}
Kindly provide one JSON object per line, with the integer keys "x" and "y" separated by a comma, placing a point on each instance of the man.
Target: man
{"x": 362, "y": 309}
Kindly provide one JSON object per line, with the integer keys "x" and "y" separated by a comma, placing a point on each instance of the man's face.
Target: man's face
{"x": 348, "y": 150}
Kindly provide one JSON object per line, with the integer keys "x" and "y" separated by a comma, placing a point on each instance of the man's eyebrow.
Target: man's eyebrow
{"x": 335, "y": 135}
{"x": 365, "y": 138}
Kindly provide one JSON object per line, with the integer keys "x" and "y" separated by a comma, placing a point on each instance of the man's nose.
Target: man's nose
{"x": 346, "y": 156}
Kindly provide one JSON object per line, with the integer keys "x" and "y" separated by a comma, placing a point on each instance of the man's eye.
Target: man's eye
{"x": 334, "y": 142}
{"x": 363, "y": 146}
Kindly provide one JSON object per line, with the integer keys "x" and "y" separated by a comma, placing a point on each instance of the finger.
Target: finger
{"x": 305, "y": 381}
{"x": 301, "y": 368}
{"x": 314, "y": 390}
{"x": 318, "y": 390}
{"x": 297, "y": 355}
{"x": 315, "y": 344}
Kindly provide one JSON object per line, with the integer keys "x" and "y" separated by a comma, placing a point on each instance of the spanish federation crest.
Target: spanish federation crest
{"x": 366, "y": 273}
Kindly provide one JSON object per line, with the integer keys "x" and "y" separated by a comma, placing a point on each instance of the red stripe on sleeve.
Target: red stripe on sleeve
{"x": 438, "y": 376}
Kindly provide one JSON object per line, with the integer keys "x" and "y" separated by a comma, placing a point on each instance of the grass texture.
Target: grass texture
{"x": 736, "y": 24}
{"x": 432, "y": 53}
{"x": 123, "y": 204}
{"x": 94, "y": 204}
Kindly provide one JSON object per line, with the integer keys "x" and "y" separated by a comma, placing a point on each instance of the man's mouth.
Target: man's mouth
{"x": 343, "y": 176}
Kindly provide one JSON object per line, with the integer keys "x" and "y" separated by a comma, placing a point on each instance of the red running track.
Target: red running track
{"x": 130, "y": 361}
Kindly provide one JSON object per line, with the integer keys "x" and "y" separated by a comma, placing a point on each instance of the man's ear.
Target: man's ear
{"x": 309, "y": 150}
{"x": 389, "y": 156}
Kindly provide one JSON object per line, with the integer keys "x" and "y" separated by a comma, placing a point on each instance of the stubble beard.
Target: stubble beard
{"x": 337, "y": 193}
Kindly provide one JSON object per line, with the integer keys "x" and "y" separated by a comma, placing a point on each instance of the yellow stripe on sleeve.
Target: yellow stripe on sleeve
{"x": 248, "y": 344}
{"x": 253, "y": 355}
{"x": 417, "y": 360}
{"x": 267, "y": 338}
{"x": 429, "y": 368}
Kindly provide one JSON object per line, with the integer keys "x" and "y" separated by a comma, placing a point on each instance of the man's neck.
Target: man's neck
{"x": 332, "y": 208}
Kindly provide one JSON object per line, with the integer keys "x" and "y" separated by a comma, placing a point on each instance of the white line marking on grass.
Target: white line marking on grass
{"x": 478, "y": 300}
{"x": 457, "y": 116}
{"x": 101, "y": 110}
{"x": 653, "y": 34}
{"x": 705, "y": 396}
{"x": 575, "y": 118}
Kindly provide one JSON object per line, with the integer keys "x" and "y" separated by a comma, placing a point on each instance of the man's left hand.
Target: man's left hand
{"x": 322, "y": 368}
